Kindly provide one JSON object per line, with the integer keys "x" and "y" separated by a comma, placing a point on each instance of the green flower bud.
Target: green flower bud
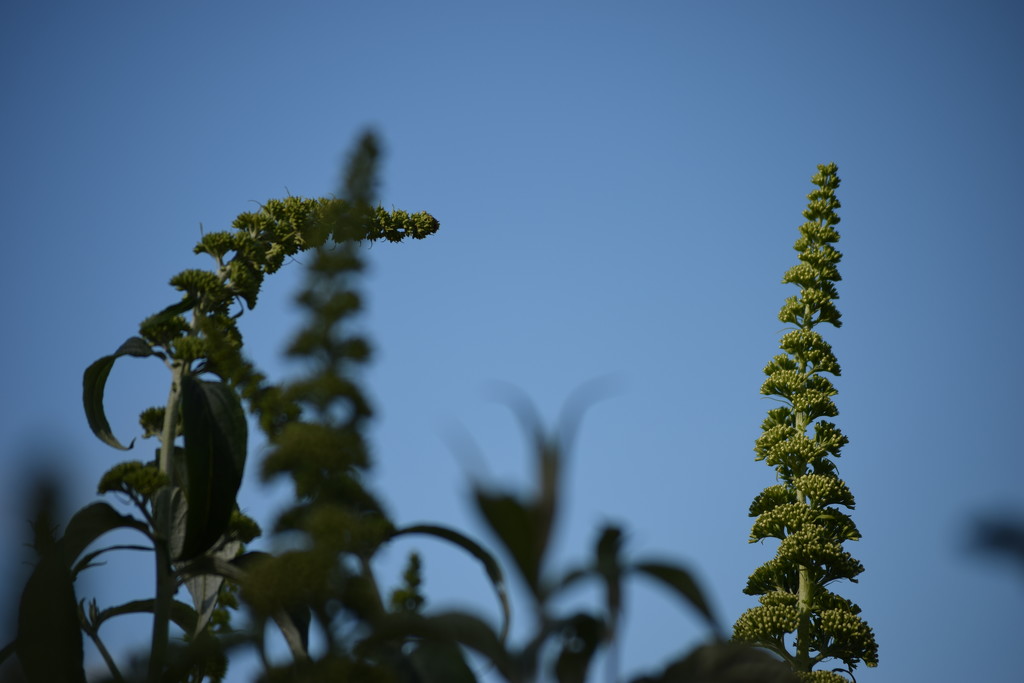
{"x": 133, "y": 476}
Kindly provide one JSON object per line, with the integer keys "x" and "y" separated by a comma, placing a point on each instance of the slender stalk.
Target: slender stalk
{"x": 115, "y": 673}
{"x": 165, "y": 583}
{"x": 165, "y": 589}
{"x": 171, "y": 422}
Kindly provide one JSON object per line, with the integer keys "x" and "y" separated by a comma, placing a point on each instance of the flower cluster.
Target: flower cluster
{"x": 803, "y": 510}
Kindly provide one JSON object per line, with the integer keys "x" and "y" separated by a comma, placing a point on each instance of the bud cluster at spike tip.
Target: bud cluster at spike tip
{"x": 798, "y": 617}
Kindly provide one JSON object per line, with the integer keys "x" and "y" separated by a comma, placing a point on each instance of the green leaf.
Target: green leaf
{"x": 170, "y": 513}
{"x": 440, "y": 662}
{"x": 516, "y": 526}
{"x": 90, "y": 523}
{"x": 205, "y": 588}
{"x": 93, "y": 383}
{"x": 680, "y": 581}
{"x": 476, "y": 550}
{"x": 215, "y": 431}
{"x": 49, "y": 643}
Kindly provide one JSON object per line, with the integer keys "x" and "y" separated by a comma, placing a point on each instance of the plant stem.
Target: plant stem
{"x": 171, "y": 422}
{"x": 165, "y": 589}
{"x": 114, "y": 671}
{"x": 803, "y": 633}
{"x": 165, "y": 584}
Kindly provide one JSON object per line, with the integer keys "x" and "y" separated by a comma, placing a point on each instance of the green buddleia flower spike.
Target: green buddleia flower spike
{"x": 798, "y": 618}
{"x": 409, "y": 597}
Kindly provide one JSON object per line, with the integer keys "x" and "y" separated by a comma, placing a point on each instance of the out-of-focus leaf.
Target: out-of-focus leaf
{"x": 609, "y": 566}
{"x": 679, "y": 580}
{"x": 543, "y": 507}
{"x": 476, "y": 550}
{"x": 215, "y": 431}
{"x": 95, "y": 380}
{"x": 294, "y": 622}
{"x": 90, "y": 523}
{"x": 581, "y": 636}
{"x": 449, "y": 627}
{"x": 49, "y": 642}
{"x": 725, "y": 663}
{"x": 440, "y": 662}
{"x": 473, "y": 633}
{"x": 515, "y": 525}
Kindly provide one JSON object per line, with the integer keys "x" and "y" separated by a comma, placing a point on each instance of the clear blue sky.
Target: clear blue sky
{"x": 619, "y": 186}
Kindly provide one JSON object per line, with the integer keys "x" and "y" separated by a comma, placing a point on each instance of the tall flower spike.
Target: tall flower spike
{"x": 799, "y": 618}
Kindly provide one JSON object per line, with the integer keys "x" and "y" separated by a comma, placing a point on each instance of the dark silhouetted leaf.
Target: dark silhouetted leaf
{"x": 515, "y": 525}
{"x": 725, "y": 663}
{"x": 581, "y": 636}
{"x": 215, "y": 431}
{"x": 49, "y": 642}
{"x": 181, "y": 614}
{"x": 90, "y": 523}
{"x": 440, "y": 662}
{"x": 449, "y": 627}
{"x": 609, "y": 566}
{"x": 95, "y": 380}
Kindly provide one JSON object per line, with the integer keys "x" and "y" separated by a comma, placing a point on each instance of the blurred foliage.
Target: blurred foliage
{"x": 1000, "y": 536}
{"x": 182, "y": 505}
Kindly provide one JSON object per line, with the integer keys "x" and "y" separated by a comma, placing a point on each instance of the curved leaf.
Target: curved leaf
{"x": 181, "y": 614}
{"x": 215, "y": 431}
{"x": 491, "y": 565}
{"x": 90, "y": 523}
{"x": 680, "y": 581}
{"x": 725, "y": 662}
{"x": 88, "y": 560}
{"x": 95, "y": 380}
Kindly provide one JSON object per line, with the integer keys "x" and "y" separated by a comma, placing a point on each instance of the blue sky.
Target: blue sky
{"x": 619, "y": 186}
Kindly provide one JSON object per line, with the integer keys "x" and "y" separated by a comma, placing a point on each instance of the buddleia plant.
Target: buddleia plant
{"x": 799, "y": 618}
